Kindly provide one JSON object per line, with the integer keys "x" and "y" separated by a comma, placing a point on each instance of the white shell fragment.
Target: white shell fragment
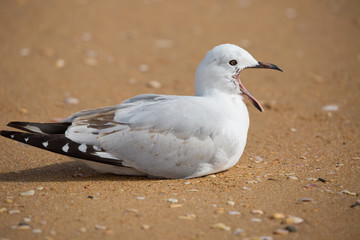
{"x": 28, "y": 193}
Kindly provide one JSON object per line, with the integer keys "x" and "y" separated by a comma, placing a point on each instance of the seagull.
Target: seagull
{"x": 163, "y": 136}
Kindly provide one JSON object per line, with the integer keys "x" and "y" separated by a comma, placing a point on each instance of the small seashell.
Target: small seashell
{"x": 176, "y": 205}
{"x": 220, "y": 210}
{"x": 13, "y": 211}
{"x": 234, "y": 213}
{"x": 23, "y": 226}
{"x": 293, "y": 220}
{"x": 258, "y": 159}
{"x": 257, "y": 212}
{"x": 154, "y": 84}
{"x": 293, "y": 178}
{"x": 71, "y": 101}
{"x": 347, "y": 192}
{"x": 173, "y": 200}
{"x": 143, "y": 68}
{"x": 188, "y": 217}
{"x": 145, "y": 227}
{"x": 266, "y": 238}
{"x": 221, "y": 226}
{"x": 60, "y": 63}
{"x": 24, "y": 52}
{"x": 330, "y": 108}
{"x": 23, "y": 110}
{"x": 281, "y": 231}
{"x": 290, "y": 228}
{"x": 37, "y": 230}
{"x": 256, "y": 220}
{"x": 231, "y": 203}
{"x": 305, "y": 200}
{"x": 100, "y": 227}
{"x": 28, "y": 193}
{"x": 239, "y": 232}
{"x": 277, "y": 216}
{"x": 90, "y": 61}
{"x": 193, "y": 190}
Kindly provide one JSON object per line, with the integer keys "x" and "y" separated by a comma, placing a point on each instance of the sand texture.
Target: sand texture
{"x": 301, "y": 166}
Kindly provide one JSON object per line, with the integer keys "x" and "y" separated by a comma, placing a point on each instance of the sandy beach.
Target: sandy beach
{"x": 299, "y": 176}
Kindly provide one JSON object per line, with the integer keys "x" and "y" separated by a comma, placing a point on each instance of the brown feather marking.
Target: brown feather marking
{"x": 98, "y": 121}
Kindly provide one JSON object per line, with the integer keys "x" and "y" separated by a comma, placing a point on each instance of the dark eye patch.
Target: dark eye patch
{"x": 233, "y": 62}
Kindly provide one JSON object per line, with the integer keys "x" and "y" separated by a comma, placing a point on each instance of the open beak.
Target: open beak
{"x": 267, "y": 65}
{"x": 247, "y": 93}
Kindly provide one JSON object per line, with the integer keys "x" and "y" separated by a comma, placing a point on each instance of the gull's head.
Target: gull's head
{"x": 220, "y": 71}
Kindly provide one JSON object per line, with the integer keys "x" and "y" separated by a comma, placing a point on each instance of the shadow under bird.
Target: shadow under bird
{"x": 161, "y": 135}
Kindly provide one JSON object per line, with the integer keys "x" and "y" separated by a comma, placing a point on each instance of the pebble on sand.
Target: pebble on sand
{"x": 23, "y": 226}
{"x": 356, "y": 204}
{"x": 221, "y": 226}
{"x": 234, "y": 213}
{"x": 145, "y": 226}
{"x": 100, "y": 227}
{"x": 290, "y": 228}
{"x": 293, "y": 220}
{"x": 71, "y": 101}
{"x": 89, "y": 61}
{"x": 173, "y": 200}
{"x": 347, "y": 192}
{"x": 176, "y": 205}
{"x": 188, "y": 217}
{"x": 305, "y": 200}
{"x": 239, "y": 232}
{"x": 23, "y": 110}
{"x": 143, "y": 68}
{"x": 60, "y": 63}
{"x": 37, "y": 230}
{"x": 293, "y": 178}
{"x": 24, "y": 52}
{"x": 257, "y": 212}
{"x": 277, "y": 216}
{"x": 28, "y": 193}
{"x": 231, "y": 203}
{"x": 163, "y": 43}
{"x": 281, "y": 231}
{"x": 154, "y": 84}
{"x": 13, "y": 211}
{"x": 256, "y": 220}
{"x": 330, "y": 108}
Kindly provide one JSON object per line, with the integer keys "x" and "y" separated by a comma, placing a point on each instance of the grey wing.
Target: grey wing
{"x": 135, "y": 101}
{"x": 158, "y": 135}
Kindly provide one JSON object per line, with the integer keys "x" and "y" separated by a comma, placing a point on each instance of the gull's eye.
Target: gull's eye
{"x": 233, "y": 62}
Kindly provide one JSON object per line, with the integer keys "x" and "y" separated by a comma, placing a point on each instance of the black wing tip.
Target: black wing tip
{"x": 7, "y": 134}
{"x": 34, "y": 127}
{"x": 55, "y": 143}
